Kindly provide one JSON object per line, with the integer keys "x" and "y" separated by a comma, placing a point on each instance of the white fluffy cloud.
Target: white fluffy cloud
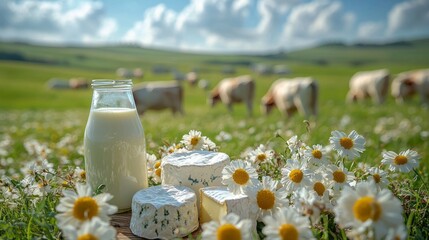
{"x": 157, "y": 28}
{"x": 211, "y": 25}
{"x": 317, "y": 21}
{"x": 202, "y": 25}
{"x": 409, "y": 17}
{"x": 66, "y": 21}
{"x": 371, "y": 31}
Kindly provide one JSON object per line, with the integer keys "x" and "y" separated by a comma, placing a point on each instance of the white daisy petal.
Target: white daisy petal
{"x": 230, "y": 227}
{"x": 76, "y": 209}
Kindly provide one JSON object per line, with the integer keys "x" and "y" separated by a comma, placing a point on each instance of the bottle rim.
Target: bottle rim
{"x": 110, "y": 83}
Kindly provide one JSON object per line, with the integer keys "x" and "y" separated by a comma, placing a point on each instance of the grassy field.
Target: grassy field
{"x": 30, "y": 110}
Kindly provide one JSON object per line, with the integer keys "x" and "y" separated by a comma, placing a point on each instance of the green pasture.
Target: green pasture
{"x": 24, "y": 88}
{"x": 25, "y": 98}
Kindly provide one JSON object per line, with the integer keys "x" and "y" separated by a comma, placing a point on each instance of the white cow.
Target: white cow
{"x": 407, "y": 84}
{"x": 129, "y": 73}
{"x": 158, "y": 96}
{"x": 234, "y": 90}
{"x": 369, "y": 84}
{"x": 290, "y": 95}
{"x": 192, "y": 78}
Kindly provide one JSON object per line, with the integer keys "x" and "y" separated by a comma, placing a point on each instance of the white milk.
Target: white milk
{"x": 115, "y": 154}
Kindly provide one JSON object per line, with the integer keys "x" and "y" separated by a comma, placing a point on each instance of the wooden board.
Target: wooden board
{"x": 121, "y": 221}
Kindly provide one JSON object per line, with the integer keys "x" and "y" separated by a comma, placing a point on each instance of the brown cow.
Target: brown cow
{"x": 234, "y": 90}
{"x": 407, "y": 84}
{"x": 290, "y": 95}
{"x": 372, "y": 84}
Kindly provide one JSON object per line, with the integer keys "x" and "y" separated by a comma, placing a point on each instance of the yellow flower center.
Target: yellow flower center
{"x": 317, "y": 154}
{"x": 319, "y": 188}
{"x": 262, "y": 157}
{"x": 228, "y": 231}
{"x": 376, "y": 177}
{"x": 157, "y": 164}
{"x": 400, "y": 160}
{"x": 296, "y": 175}
{"x": 158, "y": 172}
{"x": 83, "y": 174}
{"x": 87, "y": 236}
{"x": 240, "y": 176}
{"x": 366, "y": 208}
{"x": 265, "y": 199}
{"x": 65, "y": 184}
{"x": 85, "y": 208}
{"x": 346, "y": 142}
{"x": 288, "y": 232}
{"x": 195, "y": 140}
{"x": 339, "y": 176}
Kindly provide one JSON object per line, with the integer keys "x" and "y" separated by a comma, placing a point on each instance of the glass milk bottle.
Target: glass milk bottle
{"x": 114, "y": 143}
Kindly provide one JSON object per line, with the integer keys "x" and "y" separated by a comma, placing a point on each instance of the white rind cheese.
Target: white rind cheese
{"x": 194, "y": 169}
{"x": 217, "y": 202}
{"x": 164, "y": 212}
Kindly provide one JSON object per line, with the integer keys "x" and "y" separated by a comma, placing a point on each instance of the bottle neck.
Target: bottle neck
{"x": 112, "y": 94}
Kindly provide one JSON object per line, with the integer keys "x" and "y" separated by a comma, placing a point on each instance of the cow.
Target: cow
{"x": 192, "y": 78}
{"x": 406, "y": 84}
{"x": 291, "y": 95}
{"x": 129, "y": 73}
{"x": 234, "y": 90}
{"x": 369, "y": 84}
{"x": 158, "y": 95}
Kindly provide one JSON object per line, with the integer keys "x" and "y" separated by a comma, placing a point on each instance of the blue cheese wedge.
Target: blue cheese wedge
{"x": 164, "y": 212}
{"x": 194, "y": 169}
{"x": 217, "y": 202}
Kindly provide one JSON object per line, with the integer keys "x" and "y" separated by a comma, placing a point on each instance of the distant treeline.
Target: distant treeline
{"x": 17, "y": 56}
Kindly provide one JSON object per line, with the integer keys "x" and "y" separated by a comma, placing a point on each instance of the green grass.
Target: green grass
{"x": 29, "y": 110}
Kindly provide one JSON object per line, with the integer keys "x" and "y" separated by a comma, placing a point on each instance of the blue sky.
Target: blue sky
{"x": 213, "y": 25}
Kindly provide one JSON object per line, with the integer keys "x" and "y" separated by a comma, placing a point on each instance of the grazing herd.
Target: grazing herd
{"x": 290, "y": 95}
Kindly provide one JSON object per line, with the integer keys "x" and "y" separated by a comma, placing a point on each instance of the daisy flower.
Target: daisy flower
{"x": 347, "y": 146}
{"x": 167, "y": 150}
{"x": 398, "y": 233}
{"x": 154, "y": 167}
{"x": 368, "y": 210}
{"x": 260, "y": 155}
{"x": 339, "y": 177}
{"x": 306, "y": 203}
{"x": 79, "y": 174}
{"x": 405, "y": 161}
{"x": 193, "y": 140}
{"x": 295, "y": 146}
{"x": 223, "y": 137}
{"x": 315, "y": 155}
{"x": 266, "y": 198}
{"x": 230, "y": 227}
{"x": 287, "y": 224}
{"x": 95, "y": 229}
{"x": 295, "y": 175}
{"x": 209, "y": 145}
{"x": 379, "y": 177}
{"x": 319, "y": 186}
{"x": 238, "y": 175}
{"x": 75, "y": 208}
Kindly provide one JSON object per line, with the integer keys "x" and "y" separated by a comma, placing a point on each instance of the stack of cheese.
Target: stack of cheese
{"x": 191, "y": 189}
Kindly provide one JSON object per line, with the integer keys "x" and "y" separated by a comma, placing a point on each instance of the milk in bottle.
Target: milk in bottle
{"x": 114, "y": 143}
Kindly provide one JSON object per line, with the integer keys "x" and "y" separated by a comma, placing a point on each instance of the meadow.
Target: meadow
{"x": 31, "y": 113}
